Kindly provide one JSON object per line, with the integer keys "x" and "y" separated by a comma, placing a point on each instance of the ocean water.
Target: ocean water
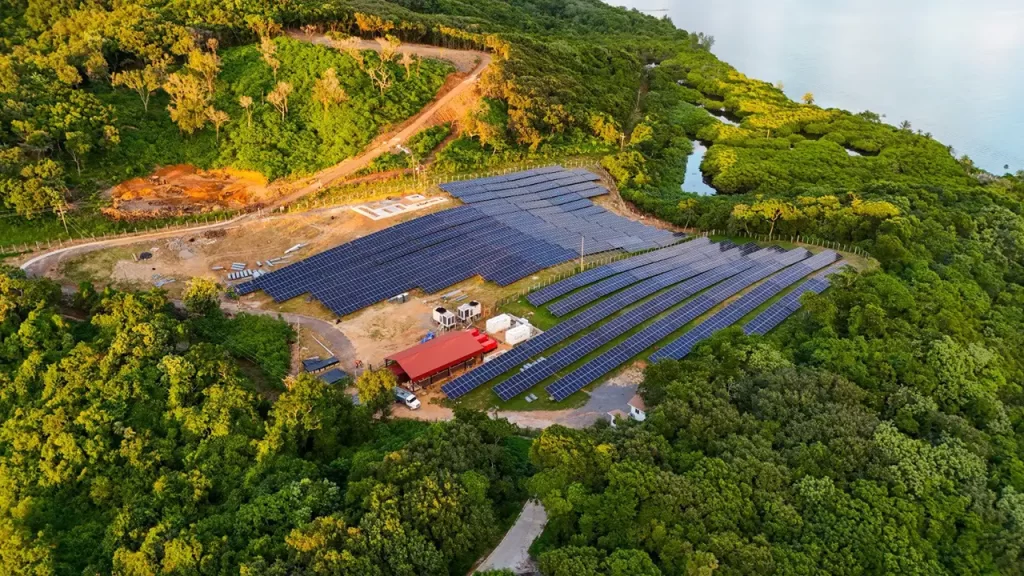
{"x": 954, "y": 68}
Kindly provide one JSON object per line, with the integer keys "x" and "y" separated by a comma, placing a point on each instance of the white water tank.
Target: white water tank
{"x": 518, "y": 334}
{"x": 499, "y": 323}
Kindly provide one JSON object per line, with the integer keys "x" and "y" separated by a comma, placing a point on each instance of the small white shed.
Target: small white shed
{"x": 518, "y": 334}
{"x": 499, "y": 323}
{"x": 637, "y": 408}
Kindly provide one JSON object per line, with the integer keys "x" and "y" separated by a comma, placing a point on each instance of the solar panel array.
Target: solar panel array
{"x": 537, "y": 373}
{"x": 563, "y": 287}
{"x": 790, "y": 303}
{"x": 512, "y": 226}
{"x": 734, "y": 312}
{"x": 708, "y": 259}
{"x": 601, "y": 289}
{"x": 662, "y": 328}
{"x": 552, "y": 204}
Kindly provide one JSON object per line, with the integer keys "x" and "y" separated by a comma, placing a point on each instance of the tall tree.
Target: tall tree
{"x": 268, "y": 49}
{"x": 144, "y": 81}
{"x": 278, "y": 97}
{"x": 246, "y": 103}
{"x": 376, "y": 389}
{"x": 327, "y": 90}
{"x": 188, "y": 101}
{"x": 218, "y": 118}
{"x": 206, "y": 65}
{"x": 201, "y": 296}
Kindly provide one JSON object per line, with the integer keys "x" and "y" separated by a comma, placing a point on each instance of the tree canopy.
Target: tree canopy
{"x": 131, "y": 444}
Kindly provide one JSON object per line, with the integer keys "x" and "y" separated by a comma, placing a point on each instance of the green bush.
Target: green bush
{"x": 420, "y": 144}
{"x": 262, "y": 340}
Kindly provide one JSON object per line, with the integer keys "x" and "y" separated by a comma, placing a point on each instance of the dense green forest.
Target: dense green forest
{"x": 877, "y": 432}
{"x": 131, "y": 443}
{"x": 93, "y": 94}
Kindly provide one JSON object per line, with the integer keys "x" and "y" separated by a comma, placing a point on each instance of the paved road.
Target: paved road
{"x": 513, "y": 553}
{"x": 612, "y": 395}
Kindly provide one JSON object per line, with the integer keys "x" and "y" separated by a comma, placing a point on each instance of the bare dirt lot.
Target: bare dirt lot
{"x": 374, "y": 333}
{"x": 195, "y": 254}
{"x": 183, "y": 190}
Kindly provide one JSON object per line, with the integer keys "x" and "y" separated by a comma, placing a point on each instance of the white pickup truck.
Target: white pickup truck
{"x": 403, "y": 396}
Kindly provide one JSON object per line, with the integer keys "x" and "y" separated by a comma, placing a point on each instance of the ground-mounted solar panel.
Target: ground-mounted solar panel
{"x": 618, "y": 326}
{"x": 600, "y": 289}
{"x": 790, "y": 303}
{"x": 662, "y": 328}
{"x": 549, "y": 293}
{"x": 723, "y": 253}
{"x": 495, "y": 234}
{"x": 746, "y": 304}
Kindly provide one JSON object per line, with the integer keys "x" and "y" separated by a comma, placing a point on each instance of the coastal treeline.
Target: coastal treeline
{"x": 878, "y": 431}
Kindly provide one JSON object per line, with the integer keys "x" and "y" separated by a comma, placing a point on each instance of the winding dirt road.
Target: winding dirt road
{"x": 470, "y": 62}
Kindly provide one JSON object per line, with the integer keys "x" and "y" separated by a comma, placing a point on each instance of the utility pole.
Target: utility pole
{"x": 581, "y": 251}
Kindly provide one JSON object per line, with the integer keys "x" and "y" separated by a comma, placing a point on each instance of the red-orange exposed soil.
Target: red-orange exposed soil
{"x": 183, "y": 189}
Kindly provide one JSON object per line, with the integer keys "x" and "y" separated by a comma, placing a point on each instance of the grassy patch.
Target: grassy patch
{"x": 85, "y": 223}
{"x": 262, "y": 340}
{"x": 266, "y": 387}
{"x": 96, "y": 267}
{"x": 420, "y": 145}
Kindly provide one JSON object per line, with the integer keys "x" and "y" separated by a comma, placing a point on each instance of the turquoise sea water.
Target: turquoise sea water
{"x": 954, "y": 68}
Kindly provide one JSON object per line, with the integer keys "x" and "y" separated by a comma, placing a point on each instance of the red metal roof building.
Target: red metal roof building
{"x": 437, "y": 359}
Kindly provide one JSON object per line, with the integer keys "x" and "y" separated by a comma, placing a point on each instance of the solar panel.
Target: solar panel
{"x": 767, "y": 262}
{"x": 512, "y": 226}
{"x": 718, "y": 254}
{"x": 610, "y": 285}
{"x": 790, "y": 303}
{"x": 735, "y": 311}
{"x": 618, "y": 326}
{"x": 549, "y": 293}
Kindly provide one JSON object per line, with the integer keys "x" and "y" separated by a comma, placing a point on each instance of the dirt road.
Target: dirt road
{"x": 468, "y": 62}
{"x": 37, "y": 265}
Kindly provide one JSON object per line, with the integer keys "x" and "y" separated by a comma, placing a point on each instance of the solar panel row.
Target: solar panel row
{"x": 512, "y": 195}
{"x": 618, "y": 326}
{"x": 584, "y": 320}
{"x": 735, "y": 311}
{"x": 608, "y": 286}
{"x": 589, "y": 317}
{"x": 549, "y": 293}
{"x": 790, "y": 303}
{"x": 769, "y": 262}
{"x": 500, "y": 240}
{"x": 460, "y": 187}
